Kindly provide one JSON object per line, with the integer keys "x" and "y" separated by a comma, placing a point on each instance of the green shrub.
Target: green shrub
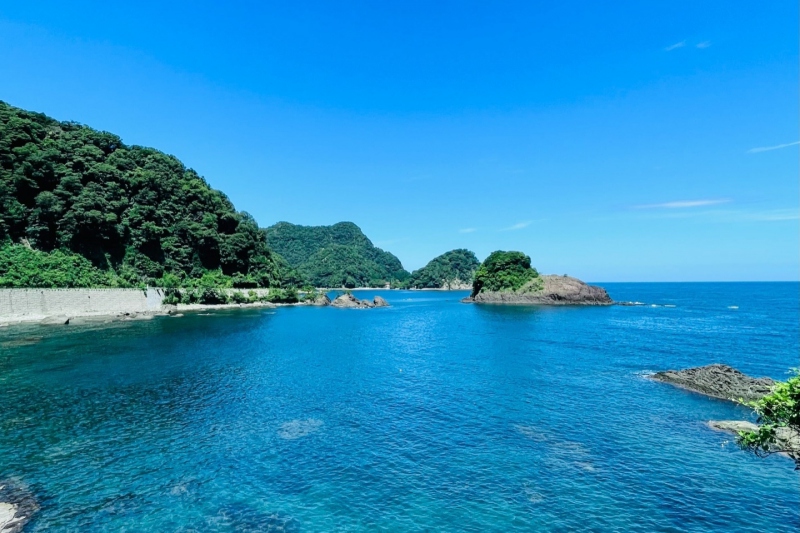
{"x": 21, "y": 266}
{"x": 171, "y": 296}
{"x": 239, "y": 298}
{"x": 287, "y": 296}
{"x": 211, "y": 296}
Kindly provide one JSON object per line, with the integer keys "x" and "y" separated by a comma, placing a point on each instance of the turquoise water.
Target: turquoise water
{"x": 431, "y": 415}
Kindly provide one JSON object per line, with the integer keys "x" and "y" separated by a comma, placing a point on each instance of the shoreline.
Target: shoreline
{"x": 176, "y": 311}
{"x": 74, "y": 306}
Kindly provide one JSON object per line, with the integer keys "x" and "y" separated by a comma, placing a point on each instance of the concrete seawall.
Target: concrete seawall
{"x": 33, "y": 304}
{"x": 28, "y": 305}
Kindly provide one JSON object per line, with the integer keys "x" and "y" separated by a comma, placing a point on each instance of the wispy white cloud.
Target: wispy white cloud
{"x": 518, "y": 225}
{"x": 684, "y": 204}
{"x": 704, "y": 44}
{"x": 728, "y": 215}
{"x": 775, "y": 215}
{"x": 467, "y": 230}
{"x": 675, "y": 46}
{"x": 768, "y": 148}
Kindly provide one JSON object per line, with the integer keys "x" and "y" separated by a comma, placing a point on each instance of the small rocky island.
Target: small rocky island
{"x": 509, "y": 278}
{"x": 348, "y": 301}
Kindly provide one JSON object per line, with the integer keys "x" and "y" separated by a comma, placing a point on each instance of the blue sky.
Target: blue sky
{"x": 644, "y": 141}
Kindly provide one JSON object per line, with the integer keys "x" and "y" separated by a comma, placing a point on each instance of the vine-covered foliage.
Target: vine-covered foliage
{"x": 21, "y": 266}
{"x": 136, "y": 214}
{"x": 503, "y": 271}
{"x": 453, "y": 266}
{"x": 335, "y": 256}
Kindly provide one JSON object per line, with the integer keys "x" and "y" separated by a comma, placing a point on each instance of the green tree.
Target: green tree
{"x": 779, "y": 422}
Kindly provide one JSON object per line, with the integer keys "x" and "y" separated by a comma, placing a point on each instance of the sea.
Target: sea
{"x": 429, "y": 415}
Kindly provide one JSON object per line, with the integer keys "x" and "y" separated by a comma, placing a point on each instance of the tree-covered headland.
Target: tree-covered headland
{"x": 335, "y": 256}
{"x": 80, "y": 208}
{"x": 453, "y": 268}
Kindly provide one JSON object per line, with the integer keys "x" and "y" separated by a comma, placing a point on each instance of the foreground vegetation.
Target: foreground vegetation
{"x": 778, "y": 411}
{"x": 451, "y": 268}
{"x": 335, "y": 256}
{"x": 503, "y": 271}
{"x": 108, "y": 214}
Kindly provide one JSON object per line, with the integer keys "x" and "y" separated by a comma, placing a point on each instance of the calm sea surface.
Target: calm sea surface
{"x": 430, "y": 415}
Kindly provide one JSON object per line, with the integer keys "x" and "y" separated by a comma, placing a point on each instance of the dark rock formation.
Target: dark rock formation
{"x": 547, "y": 290}
{"x": 320, "y": 300}
{"x": 17, "y": 506}
{"x": 349, "y": 301}
{"x": 719, "y": 381}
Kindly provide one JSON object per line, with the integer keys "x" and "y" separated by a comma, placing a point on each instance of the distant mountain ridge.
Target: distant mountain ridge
{"x": 335, "y": 256}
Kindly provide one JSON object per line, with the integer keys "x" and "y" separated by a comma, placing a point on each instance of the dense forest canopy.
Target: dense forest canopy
{"x": 335, "y": 256}
{"x": 453, "y": 267}
{"x": 116, "y": 215}
{"x": 503, "y": 271}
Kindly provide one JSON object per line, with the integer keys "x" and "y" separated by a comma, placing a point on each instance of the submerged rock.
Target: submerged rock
{"x": 24, "y": 341}
{"x": 299, "y": 428}
{"x": 718, "y": 381}
{"x": 243, "y": 518}
{"x": 547, "y": 290}
{"x": 17, "y": 506}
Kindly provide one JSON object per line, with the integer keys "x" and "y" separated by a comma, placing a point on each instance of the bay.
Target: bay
{"x": 430, "y": 415}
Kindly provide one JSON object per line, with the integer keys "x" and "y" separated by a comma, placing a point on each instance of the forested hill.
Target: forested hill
{"x": 335, "y": 256}
{"x": 78, "y": 207}
{"x": 453, "y": 269}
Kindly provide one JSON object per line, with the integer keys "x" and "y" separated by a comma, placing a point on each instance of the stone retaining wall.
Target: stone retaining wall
{"x": 32, "y": 303}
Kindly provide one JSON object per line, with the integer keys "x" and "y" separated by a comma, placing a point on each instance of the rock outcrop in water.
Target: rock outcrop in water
{"x": 787, "y": 441}
{"x": 719, "y": 381}
{"x": 724, "y": 382}
{"x": 17, "y": 506}
{"x": 547, "y": 290}
{"x": 348, "y": 301}
{"x": 321, "y": 300}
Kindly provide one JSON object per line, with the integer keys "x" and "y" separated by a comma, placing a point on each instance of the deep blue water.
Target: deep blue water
{"x": 431, "y": 415}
